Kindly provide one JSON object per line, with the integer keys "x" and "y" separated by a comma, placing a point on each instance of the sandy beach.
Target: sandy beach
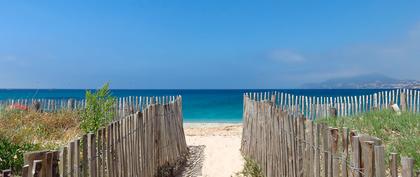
{"x": 215, "y": 149}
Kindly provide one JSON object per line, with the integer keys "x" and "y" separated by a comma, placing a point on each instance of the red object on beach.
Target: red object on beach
{"x": 18, "y": 107}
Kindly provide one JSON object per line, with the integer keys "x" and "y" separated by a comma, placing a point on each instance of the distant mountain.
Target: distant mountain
{"x": 368, "y": 81}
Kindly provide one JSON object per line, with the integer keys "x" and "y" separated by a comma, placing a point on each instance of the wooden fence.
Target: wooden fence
{"x": 144, "y": 144}
{"x": 319, "y": 106}
{"x": 287, "y": 144}
{"x": 123, "y": 106}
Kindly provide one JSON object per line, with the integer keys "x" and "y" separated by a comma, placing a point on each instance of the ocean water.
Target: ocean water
{"x": 198, "y": 105}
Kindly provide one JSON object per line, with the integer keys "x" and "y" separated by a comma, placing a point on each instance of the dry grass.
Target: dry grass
{"x": 24, "y": 131}
{"x": 399, "y": 133}
{"x": 47, "y": 130}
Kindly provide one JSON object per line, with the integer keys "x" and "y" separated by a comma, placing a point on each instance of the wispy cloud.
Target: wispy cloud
{"x": 414, "y": 33}
{"x": 318, "y": 76}
{"x": 284, "y": 55}
{"x": 12, "y": 61}
{"x": 398, "y": 58}
{"x": 8, "y": 58}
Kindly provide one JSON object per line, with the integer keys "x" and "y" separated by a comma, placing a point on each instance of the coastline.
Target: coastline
{"x": 210, "y": 124}
{"x": 212, "y": 120}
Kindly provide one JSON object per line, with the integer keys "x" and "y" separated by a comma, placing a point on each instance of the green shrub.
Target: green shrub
{"x": 48, "y": 129}
{"x": 25, "y": 131}
{"x": 99, "y": 109}
{"x": 251, "y": 169}
{"x": 399, "y": 133}
{"x": 11, "y": 155}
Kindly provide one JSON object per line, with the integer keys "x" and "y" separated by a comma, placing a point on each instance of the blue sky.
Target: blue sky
{"x": 204, "y": 44}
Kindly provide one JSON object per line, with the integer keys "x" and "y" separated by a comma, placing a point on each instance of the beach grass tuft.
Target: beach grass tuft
{"x": 48, "y": 129}
{"x": 24, "y": 131}
{"x": 250, "y": 169}
{"x": 399, "y": 133}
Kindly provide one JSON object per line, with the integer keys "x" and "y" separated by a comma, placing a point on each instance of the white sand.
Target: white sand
{"x": 222, "y": 142}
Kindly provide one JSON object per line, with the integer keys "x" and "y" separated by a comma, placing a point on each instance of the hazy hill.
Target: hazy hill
{"x": 367, "y": 81}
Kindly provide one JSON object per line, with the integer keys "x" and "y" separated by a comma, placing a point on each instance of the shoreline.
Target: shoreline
{"x": 210, "y": 124}
{"x": 213, "y": 129}
{"x": 210, "y": 120}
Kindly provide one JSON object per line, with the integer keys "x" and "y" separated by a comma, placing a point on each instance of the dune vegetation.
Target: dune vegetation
{"x": 399, "y": 133}
{"x": 23, "y": 131}
{"x": 250, "y": 169}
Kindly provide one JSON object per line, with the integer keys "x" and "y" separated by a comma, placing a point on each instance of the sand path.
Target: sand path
{"x": 215, "y": 150}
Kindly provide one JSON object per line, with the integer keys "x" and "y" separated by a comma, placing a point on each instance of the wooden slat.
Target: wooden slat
{"x": 334, "y": 166}
{"x": 85, "y": 162}
{"x": 25, "y": 171}
{"x": 379, "y": 161}
{"x": 394, "y": 165}
{"x": 356, "y": 156}
{"x": 72, "y": 166}
{"x": 368, "y": 158}
{"x": 407, "y": 167}
{"x": 37, "y": 169}
{"x": 92, "y": 155}
{"x": 6, "y": 173}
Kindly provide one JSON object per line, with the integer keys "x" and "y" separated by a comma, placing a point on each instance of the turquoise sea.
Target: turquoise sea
{"x": 198, "y": 105}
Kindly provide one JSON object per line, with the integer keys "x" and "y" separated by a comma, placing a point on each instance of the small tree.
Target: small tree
{"x": 99, "y": 109}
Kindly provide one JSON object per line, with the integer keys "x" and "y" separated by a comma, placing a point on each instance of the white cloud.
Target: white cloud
{"x": 287, "y": 56}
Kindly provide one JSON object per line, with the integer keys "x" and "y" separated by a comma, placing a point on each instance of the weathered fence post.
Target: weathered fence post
{"x": 71, "y": 163}
{"x": 76, "y": 157}
{"x": 333, "y": 112}
{"x": 70, "y": 104}
{"x": 403, "y": 101}
{"x": 47, "y": 166}
{"x": 273, "y": 99}
{"x": 25, "y": 171}
{"x": 37, "y": 169}
{"x": 85, "y": 160}
{"x": 92, "y": 154}
{"x": 63, "y": 162}
{"x": 334, "y": 152}
{"x": 345, "y": 143}
{"x": 375, "y": 101}
{"x": 393, "y": 165}
{"x": 368, "y": 158}
{"x": 356, "y": 156}
{"x": 36, "y": 106}
{"x": 407, "y": 167}
{"x": 7, "y": 173}
{"x": 379, "y": 161}
{"x": 325, "y": 145}
{"x": 317, "y": 148}
{"x": 31, "y": 157}
{"x": 55, "y": 163}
